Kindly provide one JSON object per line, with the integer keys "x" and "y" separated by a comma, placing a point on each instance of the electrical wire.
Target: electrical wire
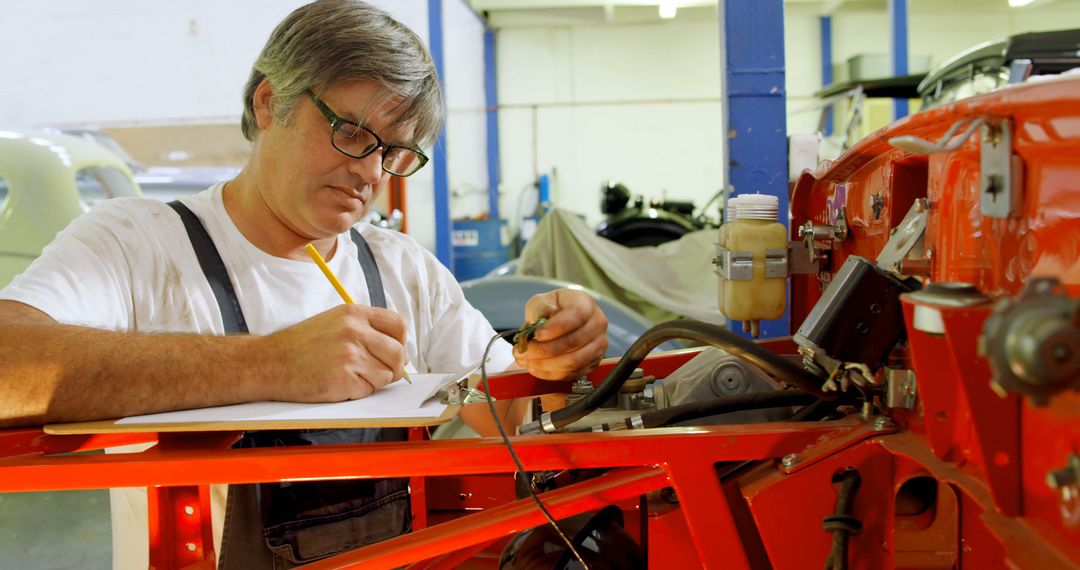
{"x": 513, "y": 454}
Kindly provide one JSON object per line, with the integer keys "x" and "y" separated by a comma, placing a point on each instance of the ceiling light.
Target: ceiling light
{"x": 668, "y": 8}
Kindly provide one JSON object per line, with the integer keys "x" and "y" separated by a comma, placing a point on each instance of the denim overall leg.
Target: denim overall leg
{"x": 282, "y": 525}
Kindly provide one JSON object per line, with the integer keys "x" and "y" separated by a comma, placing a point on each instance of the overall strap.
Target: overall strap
{"x": 371, "y": 270}
{"x": 232, "y": 317}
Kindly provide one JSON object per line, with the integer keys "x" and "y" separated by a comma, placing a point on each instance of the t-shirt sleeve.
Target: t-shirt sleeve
{"x": 461, "y": 332}
{"x": 83, "y": 276}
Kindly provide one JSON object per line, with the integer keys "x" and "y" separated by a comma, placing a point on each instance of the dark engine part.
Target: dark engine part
{"x": 773, "y": 364}
{"x": 1033, "y": 342}
{"x": 641, "y": 225}
{"x": 598, "y": 536}
{"x": 857, "y": 320}
{"x": 716, "y": 374}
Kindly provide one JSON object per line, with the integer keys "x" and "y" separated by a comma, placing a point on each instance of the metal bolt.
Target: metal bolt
{"x": 191, "y": 547}
{"x": 884, "y": 424}
{"x": 189, "y": 510}
{"x": 790, "y": 460}
{"x": 1066, "y": 476}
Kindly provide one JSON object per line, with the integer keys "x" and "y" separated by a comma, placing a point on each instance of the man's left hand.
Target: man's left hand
{"x": 572, "y": 341}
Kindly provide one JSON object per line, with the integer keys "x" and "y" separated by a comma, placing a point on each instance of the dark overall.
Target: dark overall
{"x": 281, "y": 525}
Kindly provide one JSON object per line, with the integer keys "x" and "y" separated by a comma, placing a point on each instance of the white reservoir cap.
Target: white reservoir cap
{"x": 753, "y": 207}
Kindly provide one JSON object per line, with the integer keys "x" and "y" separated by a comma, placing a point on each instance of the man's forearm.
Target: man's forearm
{"x": 58, "y": 373}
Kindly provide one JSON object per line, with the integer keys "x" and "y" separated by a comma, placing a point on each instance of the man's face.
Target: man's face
{"x": 307, "y": 184}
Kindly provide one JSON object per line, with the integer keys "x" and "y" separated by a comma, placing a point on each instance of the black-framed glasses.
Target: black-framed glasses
{"x": 356, "y": 140}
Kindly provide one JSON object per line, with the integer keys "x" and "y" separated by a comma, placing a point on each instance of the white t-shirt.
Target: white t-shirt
{"x": 128, "y": 265}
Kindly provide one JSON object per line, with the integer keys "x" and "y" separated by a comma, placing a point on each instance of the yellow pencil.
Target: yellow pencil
{"x": 318, "y": 259}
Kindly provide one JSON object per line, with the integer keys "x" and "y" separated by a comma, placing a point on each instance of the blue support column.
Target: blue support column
{"x": 826, "y": 66}
{"x": 752, "y": 55}
{"x": 491, "y": 102}
{"x": 898, "y": 26}
{"x": 442, "y": 178}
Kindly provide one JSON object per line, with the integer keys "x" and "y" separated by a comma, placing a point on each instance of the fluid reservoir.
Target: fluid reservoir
{"x": 752, "y": 261}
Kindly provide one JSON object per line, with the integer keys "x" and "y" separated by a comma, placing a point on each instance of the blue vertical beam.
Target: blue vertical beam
{"x": 442, "y": 179}
{"x": 898, "y": 27}
{"x": 755, "y": 114}
{"x": 491, "y": 102}
{"x": 826, "y": 66}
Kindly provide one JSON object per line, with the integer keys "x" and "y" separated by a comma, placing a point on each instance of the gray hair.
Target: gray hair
{"x": 329, "y": 42}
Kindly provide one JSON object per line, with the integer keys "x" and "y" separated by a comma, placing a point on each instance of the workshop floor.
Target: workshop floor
{"x": 66, "y": 530}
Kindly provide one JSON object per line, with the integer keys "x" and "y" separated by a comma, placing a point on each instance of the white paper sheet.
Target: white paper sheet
{"x": 398, "y": 400}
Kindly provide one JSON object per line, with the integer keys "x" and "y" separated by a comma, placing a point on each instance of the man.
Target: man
{"x": 118, "y": 316}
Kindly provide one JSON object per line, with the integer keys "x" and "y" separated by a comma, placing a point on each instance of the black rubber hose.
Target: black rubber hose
{"x": 713, "y": 406}
{"x": 772, "y": 364}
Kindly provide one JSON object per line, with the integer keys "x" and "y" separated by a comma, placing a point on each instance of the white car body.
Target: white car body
{"x": 46, "y": 181}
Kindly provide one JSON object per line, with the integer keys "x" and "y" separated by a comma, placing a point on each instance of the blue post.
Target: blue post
{"x": 826, "y": 66}
{"x": 898, "y": 26}
{"x": 442, "y": 178}
{"x": 754, "y": 107}
{"x": 543, "y": 186}
{"x": 491, "y": 101}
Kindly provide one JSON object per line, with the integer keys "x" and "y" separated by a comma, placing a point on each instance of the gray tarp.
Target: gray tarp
{"x": 674, "y": 279}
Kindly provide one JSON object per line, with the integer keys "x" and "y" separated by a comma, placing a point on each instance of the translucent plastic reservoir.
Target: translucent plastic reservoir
{"x": 752, "y": 227}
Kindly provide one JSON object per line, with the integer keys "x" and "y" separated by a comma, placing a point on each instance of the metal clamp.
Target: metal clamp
{"x": 734, "y": 265}
{"x": 459, "y": 393}
{"x": 739, "y": 265}
{"x": 813, "y": 234}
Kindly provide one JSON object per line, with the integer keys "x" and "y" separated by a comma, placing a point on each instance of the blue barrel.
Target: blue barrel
{"x": 479, "y": 246}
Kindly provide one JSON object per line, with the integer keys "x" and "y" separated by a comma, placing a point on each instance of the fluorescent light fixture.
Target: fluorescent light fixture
{"x": 668, "y": 8}
{"x": 1019, "y": 3}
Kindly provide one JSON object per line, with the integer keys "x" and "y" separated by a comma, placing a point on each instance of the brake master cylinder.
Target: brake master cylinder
{"x": 751, "y": 260}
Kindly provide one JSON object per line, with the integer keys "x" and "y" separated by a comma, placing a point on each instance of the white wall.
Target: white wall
{"x": 633, "y": 99}
{"x": 132, "y": 62}
{"x": 466, "y": 128}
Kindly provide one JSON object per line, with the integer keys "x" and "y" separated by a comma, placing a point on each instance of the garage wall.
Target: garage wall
{"x": 586, "y": 99}
{"x": 130, "y": 64}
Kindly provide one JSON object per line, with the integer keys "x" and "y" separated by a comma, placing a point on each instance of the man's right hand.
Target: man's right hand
{"x": 345, "y": 353}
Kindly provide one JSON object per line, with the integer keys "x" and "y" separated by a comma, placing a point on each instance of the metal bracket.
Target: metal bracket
{"x": 905, "y": 238}
{"x": 1000, "y": 172}
{"x": 459, "y": 393}
{"x": 734, "y": 265}
{"x": 800, "y": 262}
{"x": 739, "y": 265}
{"x": 900, "y": 388}
{"x": 776, "y": 263}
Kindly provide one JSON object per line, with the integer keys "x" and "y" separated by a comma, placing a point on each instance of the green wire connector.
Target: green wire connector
{"x": 526, "y": 333}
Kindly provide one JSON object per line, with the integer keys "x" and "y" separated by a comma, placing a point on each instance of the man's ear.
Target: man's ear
{"x": 262, "y": 104}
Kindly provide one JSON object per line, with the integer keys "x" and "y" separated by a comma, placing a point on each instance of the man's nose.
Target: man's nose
{"x": 369, "y": 168}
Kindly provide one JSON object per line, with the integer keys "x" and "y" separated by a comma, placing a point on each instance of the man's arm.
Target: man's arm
{"x": 50, "y": 372}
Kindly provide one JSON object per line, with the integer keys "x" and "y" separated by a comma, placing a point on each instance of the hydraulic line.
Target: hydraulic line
{"x": 713, "y": 406}
{"x": 772, "y": 364}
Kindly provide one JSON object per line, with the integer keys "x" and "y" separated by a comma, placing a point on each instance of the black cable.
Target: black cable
{"x": 841, "y": 523}
{"x": 773, "y": 364}
{"x": 513, "y": 454}
{"x": 713, "y": 406}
